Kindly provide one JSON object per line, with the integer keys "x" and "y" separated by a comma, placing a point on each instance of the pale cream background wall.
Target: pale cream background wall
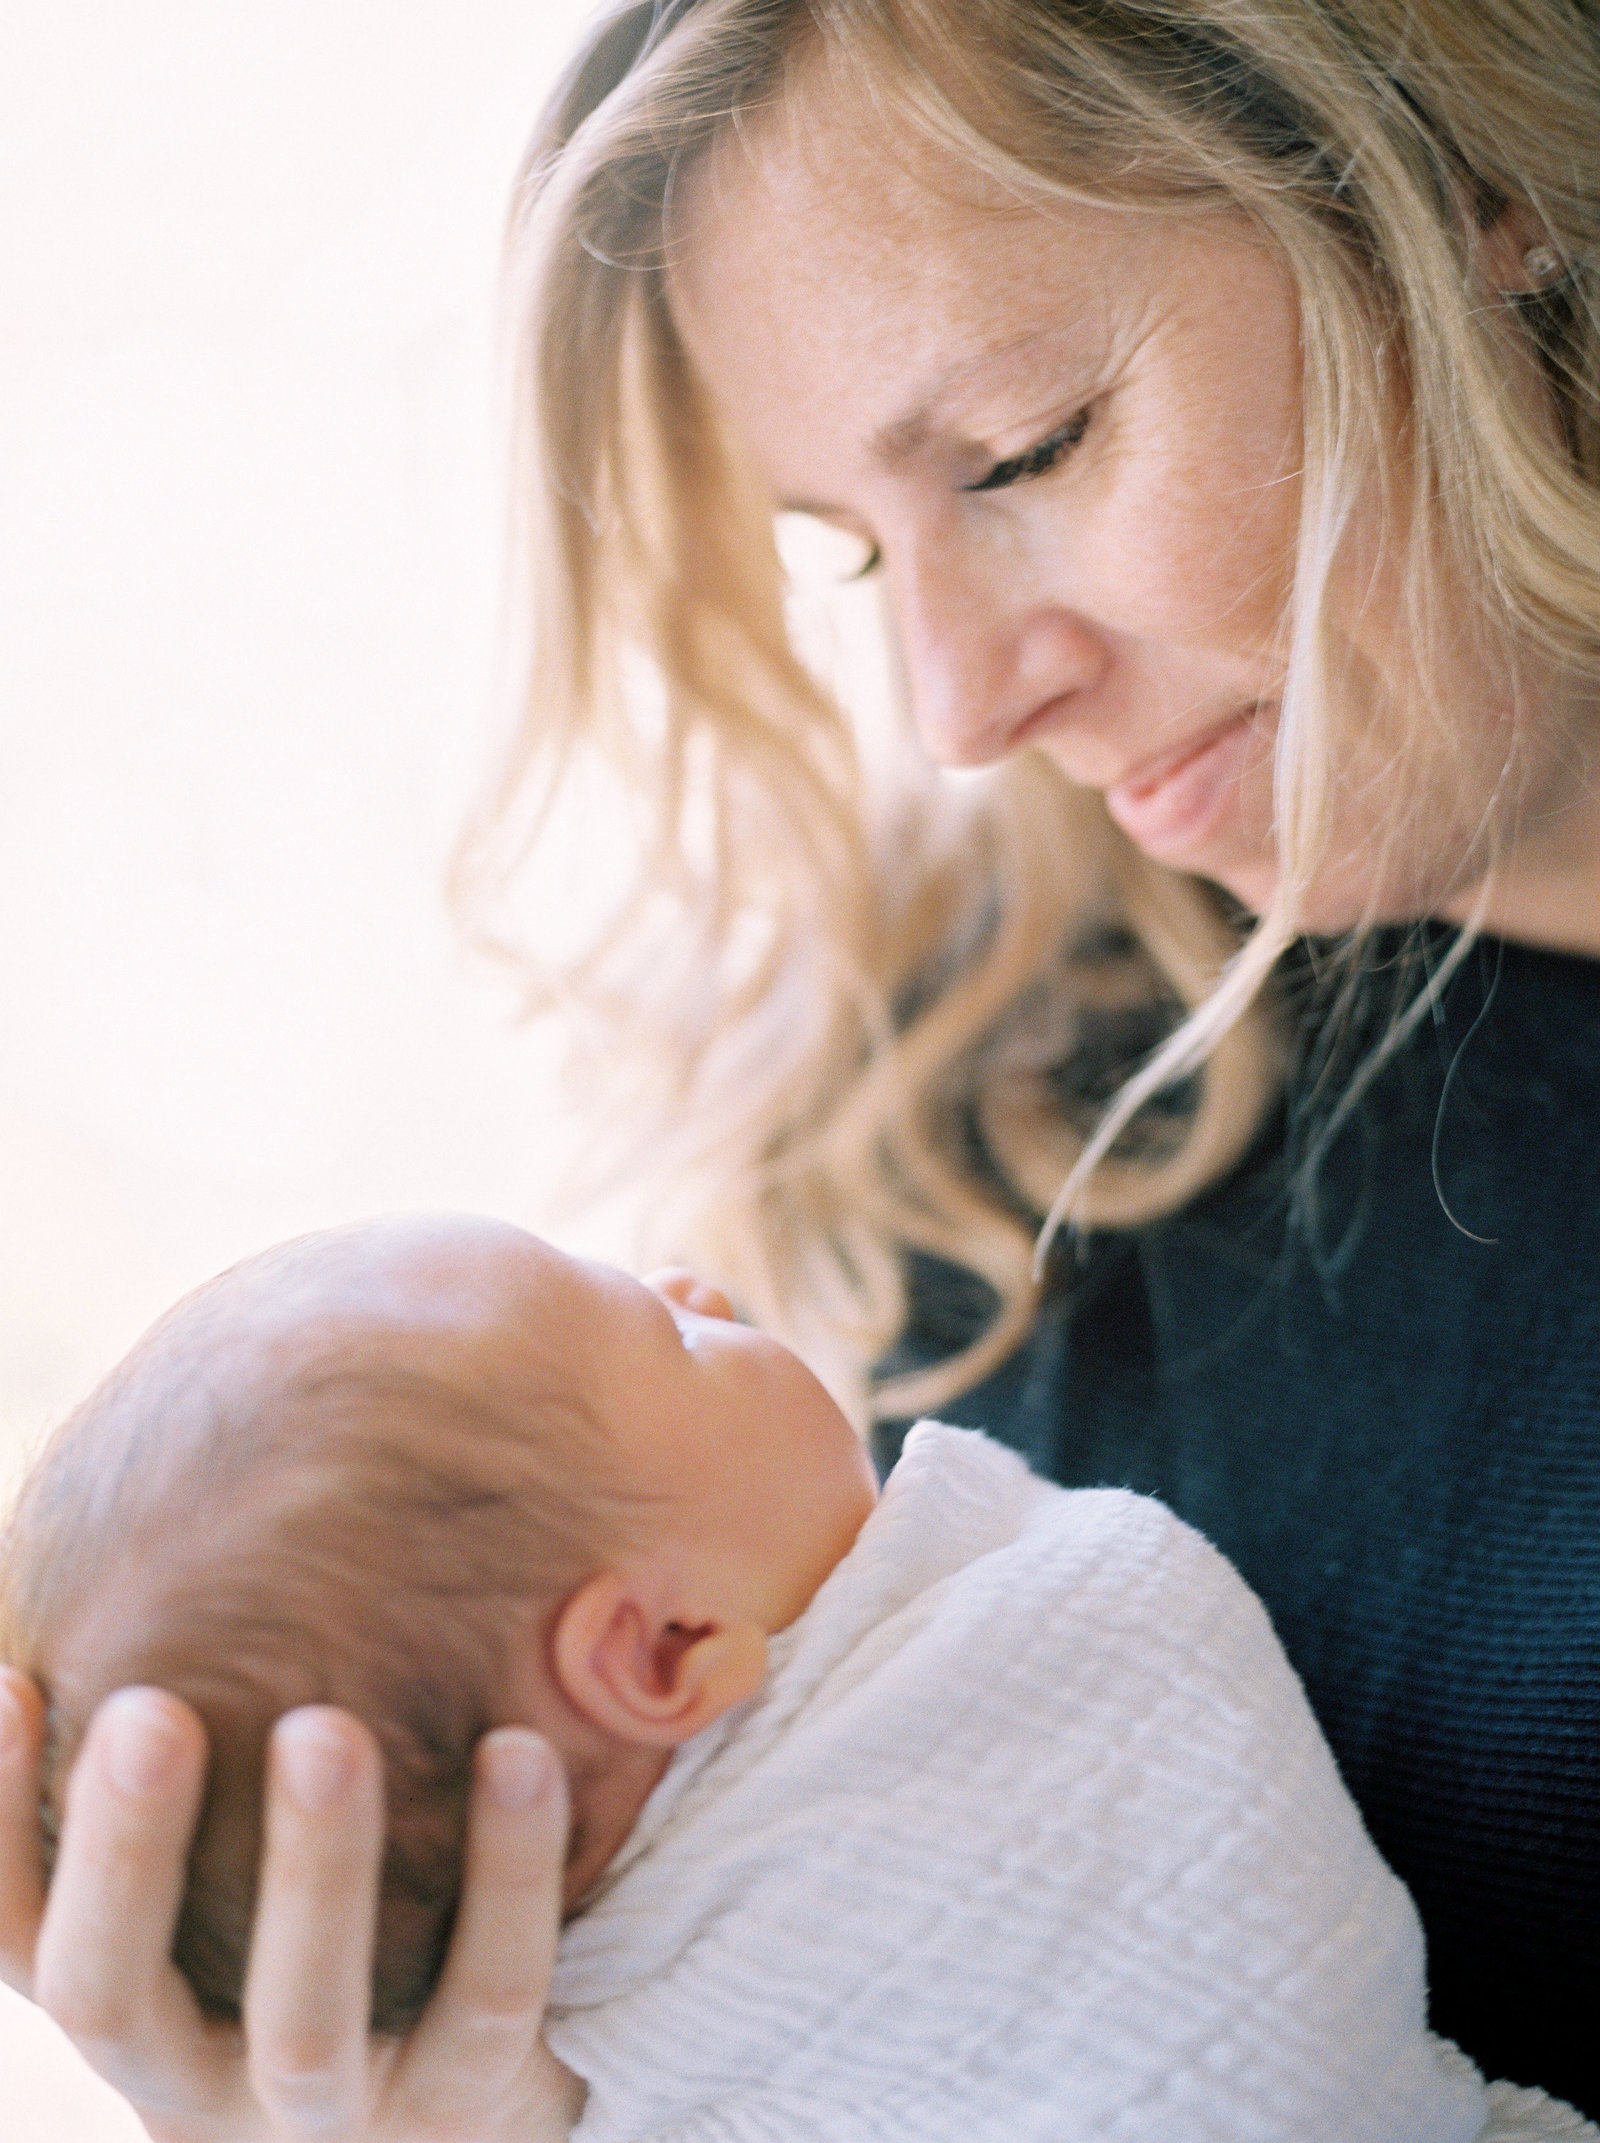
{"x": 248, "y": 522}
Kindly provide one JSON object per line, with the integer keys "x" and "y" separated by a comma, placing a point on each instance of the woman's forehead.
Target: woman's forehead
{"x": 831, "y": 165}
{"x": 797, "y": 278}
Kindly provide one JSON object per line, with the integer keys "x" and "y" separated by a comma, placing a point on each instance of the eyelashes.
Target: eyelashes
{"x": 1035, "y": 460}
{"x": 1020, "y": 468}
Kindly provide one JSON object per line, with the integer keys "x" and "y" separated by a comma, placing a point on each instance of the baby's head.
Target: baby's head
{"x": 438, "y": 1473}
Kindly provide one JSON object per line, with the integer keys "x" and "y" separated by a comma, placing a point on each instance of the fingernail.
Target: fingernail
{"x": 314, "y": 1759}
{"x": 516, "y": 1767}
{"x": 142, "y": 1748}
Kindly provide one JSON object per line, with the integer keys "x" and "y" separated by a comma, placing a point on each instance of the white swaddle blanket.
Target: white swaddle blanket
{"x": 1029, "y": 1835}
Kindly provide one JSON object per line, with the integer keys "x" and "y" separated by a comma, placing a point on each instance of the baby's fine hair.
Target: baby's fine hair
{"x": 256, "y": 1534}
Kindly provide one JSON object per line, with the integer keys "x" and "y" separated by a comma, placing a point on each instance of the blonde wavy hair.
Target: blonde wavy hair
{"x": 840, "y": 1012}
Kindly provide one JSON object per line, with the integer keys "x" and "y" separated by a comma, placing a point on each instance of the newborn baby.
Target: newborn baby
{"x": 995, "y": 1810}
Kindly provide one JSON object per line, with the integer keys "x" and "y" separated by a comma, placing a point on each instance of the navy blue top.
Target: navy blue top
{"x": 1389, "y": 1418}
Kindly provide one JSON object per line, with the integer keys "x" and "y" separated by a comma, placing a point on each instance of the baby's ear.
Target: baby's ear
{"x": 635, "y": 1671}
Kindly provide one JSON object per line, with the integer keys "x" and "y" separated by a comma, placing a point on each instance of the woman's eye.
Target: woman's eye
{"x": 1035, "y": 460}
{"x": 817, "y": 553}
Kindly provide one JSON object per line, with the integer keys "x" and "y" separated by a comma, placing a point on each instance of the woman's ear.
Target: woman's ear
{"x": 638, "y": 1673}
{"x": 1517, "y": 253}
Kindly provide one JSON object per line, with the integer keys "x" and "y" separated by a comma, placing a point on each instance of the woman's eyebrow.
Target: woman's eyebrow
{"x": 896, "y": 441}
{"x": 900, "y": 438}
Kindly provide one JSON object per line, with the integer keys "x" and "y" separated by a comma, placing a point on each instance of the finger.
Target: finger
{"x": 21, "y": 1845}
{"x": 470, "y": 2054}
{"x": 103, "y": 1967}
{"x": 308, "y": 1990}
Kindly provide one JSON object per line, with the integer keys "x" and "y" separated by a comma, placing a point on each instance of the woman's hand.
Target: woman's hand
{"x": 96, "y": 1953}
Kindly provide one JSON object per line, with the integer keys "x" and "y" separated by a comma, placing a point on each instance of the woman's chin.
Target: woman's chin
{"x": 1252, "y": 886}
{"x": 1349, "y": 894}
{"x": 1343, "y": 905}
{"x": 1250, "y": 880}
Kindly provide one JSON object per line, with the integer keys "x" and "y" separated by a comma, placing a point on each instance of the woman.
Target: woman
{"x": 1212, "y": 388}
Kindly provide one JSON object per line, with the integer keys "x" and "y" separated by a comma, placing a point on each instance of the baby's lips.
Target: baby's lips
{"x": 13, "y": 1716}
{"x": 676, "y": 1284}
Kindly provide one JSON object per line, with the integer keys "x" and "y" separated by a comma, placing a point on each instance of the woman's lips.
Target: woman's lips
{"x": 1171, "y": 804}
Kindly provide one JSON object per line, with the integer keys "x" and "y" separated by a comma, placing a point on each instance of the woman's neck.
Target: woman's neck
{"x": 1546, "y": 891}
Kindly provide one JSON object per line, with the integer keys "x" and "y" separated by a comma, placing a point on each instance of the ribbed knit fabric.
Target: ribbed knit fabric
{"x": 1395, "y": 1436}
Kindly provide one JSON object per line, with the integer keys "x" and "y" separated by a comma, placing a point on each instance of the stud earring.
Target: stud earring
{"x": 1541, "y": 264}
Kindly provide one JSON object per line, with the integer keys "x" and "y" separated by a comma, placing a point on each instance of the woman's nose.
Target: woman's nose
{"x": 983, "y": 654}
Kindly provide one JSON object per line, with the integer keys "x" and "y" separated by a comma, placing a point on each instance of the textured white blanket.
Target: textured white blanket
{"x": 1029, "y": 1836}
